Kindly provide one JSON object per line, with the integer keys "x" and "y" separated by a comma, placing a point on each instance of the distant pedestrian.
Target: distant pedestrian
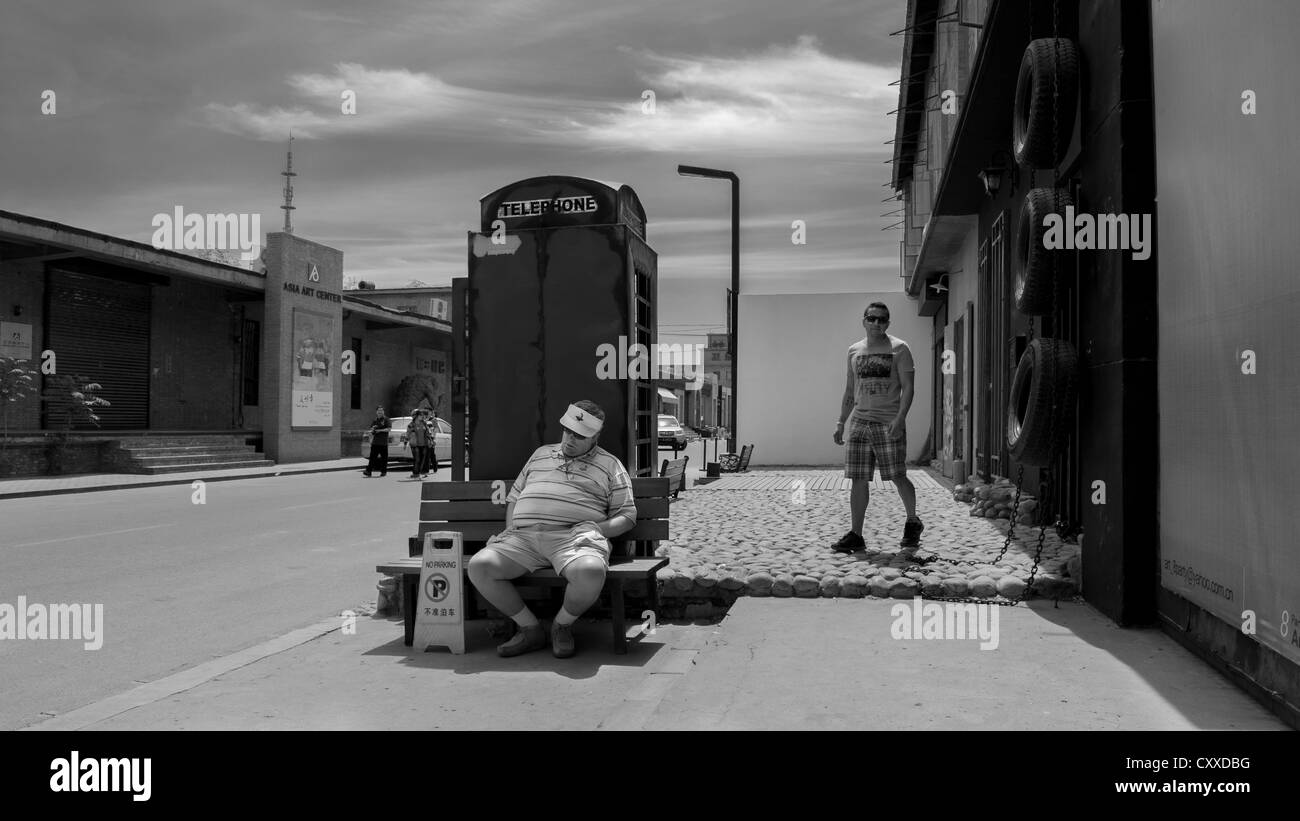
{"x": 379, "y": 429}
{"x": 419, "y": 438}
{"x": 877, "y": 396}
{"x": 431, "y": 458}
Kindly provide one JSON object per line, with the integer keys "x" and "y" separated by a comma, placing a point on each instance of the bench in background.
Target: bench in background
{"x": 674, "y": 470}
{"x": 732, "y": 463}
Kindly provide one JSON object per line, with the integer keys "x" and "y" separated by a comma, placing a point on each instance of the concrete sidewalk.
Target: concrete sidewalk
{"x": 771, "y": 664}
{"x": 90, "y": 482}
{"x": 17, "y": 488}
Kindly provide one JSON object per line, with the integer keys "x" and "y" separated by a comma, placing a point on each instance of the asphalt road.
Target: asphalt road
{"x": 183, "y": 583}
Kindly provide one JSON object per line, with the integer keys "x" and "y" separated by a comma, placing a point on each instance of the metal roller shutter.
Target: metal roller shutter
{"x": 99, "y": 329}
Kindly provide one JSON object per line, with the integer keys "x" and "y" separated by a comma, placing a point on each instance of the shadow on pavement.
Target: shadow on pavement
{"x": 595, "y": 650}
{"x": 1182, "y": 680}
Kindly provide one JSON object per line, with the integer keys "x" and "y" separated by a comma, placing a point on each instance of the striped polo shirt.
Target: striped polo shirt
{"x": 554, "y": 490}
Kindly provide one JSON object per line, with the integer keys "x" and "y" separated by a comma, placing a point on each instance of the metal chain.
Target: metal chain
{"x": 1054, "y": 408}
{"x": 1046, "y": 484}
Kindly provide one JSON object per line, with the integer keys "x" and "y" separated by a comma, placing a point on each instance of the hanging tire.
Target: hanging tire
{"x": 1049, "y": 64}
{"x": 1036, "y": 426}
{"x": 1037, "y": 287}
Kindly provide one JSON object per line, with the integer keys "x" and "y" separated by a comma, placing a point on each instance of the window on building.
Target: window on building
{"x": 250, "y": 356}
{"x": 355, "y": 388}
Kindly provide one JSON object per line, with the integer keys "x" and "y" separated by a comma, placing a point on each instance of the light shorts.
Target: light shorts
{"x": 867, "y": 445}
{"x": 535, "y": 549}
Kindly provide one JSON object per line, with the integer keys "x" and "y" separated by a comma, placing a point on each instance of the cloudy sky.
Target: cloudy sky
{"x": 163, "y": 103}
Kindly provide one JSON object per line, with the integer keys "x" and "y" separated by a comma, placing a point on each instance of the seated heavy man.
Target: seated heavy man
{"x": 568, "y": 500}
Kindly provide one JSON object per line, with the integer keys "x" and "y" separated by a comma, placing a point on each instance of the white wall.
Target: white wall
{"x": 1227, "y": 183}
{"x": 792, "y": 363}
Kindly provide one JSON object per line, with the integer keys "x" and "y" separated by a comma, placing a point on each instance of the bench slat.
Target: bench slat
{"x": 629, "y": 567}
{"x": 479, "y": 531}
{"x": 643, "y": 487}
{"x": 465, "y": 510}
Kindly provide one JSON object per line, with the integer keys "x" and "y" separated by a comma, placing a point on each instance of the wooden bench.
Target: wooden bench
{"x": 467, "y": 507}
{"x": 674, "y": 470}
{"x": 730, "y": 463}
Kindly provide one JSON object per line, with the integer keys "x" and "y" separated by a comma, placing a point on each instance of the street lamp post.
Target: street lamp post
{"x": 713, "y": 173}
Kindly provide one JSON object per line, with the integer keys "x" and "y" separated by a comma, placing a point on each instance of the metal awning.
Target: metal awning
{"x": 667, "y": 395}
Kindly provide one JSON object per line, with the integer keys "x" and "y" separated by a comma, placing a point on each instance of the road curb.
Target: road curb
{"x": 145, "y": 694}
{"x": 164, "y": 482}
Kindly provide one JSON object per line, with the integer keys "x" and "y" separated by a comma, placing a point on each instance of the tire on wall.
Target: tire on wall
{"x": 1049, "y": 63}
{"x": 1035, "y": 428}
{"x": 1036, "y": 286}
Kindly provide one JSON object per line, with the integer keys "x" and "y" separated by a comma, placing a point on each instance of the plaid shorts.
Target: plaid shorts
{"x": 867, "y": 444}
{"x": 535, "y": 549}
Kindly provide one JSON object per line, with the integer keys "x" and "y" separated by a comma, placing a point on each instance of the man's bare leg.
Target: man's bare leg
{"x": 491, "y": 573}
{"x": 586, "y": 577}
{"x": 859, "y": 495}
{"x": 907, "y": 492}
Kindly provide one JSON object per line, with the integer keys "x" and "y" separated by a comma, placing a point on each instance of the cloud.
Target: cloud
{"x": 387, "y": 101}
{"x": 783, "y": 101}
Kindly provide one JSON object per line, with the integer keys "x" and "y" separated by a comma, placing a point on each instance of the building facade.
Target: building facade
{"x": 279, "y": 358}
{"x": 988, "y": 169}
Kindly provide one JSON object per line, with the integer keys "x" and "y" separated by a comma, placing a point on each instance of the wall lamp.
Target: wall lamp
{"x": 993, "y": 175}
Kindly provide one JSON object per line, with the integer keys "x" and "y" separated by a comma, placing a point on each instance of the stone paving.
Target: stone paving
{"x": 730, "y": 543}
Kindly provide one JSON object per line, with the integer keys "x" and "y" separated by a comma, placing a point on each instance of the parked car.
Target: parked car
{"x": 398, "y": 450}
{"x": 671, "y": 433}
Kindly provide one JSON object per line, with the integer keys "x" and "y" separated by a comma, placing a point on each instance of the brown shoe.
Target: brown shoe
{"x": 526, "y": 640}
{"x": 562, "y": 643}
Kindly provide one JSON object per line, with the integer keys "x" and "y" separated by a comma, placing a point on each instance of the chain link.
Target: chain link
{"x": 1054, "y": 405}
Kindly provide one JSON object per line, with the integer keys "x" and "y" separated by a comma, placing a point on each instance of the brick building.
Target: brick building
{"x": 199, "y": 353}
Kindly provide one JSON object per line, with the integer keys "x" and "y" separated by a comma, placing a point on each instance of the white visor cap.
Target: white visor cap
{"x": 580, "y": 421}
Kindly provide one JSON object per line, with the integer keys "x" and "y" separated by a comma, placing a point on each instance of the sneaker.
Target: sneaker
{"x": 849, "y": 543}
{"x": 526, "y": 640}
{"x": 502, "y": 629}
{"x": 912, "y": 533}
{"x": 562, "y": 643}
{"x": 366, "y": 474}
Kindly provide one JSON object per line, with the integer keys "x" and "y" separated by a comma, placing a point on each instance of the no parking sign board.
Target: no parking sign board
{"x": 440, "y": 610}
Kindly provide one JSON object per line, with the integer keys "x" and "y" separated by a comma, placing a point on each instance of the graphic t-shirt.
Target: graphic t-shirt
{"x": 877, "y": 389}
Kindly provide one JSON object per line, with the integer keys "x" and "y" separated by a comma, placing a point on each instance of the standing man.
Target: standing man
{"x": 378, "y": 443}
{"x": 877, "y": 396}
{"x": 569, "y": 499}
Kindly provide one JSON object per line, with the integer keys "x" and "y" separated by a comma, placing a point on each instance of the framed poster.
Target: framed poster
{"x": 312, "y": 366}
{"x": 16, "y": 340}
{"x": 433, "y": 364}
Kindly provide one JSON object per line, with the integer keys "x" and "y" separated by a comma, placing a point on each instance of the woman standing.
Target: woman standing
{"x": 417, "y": 436}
